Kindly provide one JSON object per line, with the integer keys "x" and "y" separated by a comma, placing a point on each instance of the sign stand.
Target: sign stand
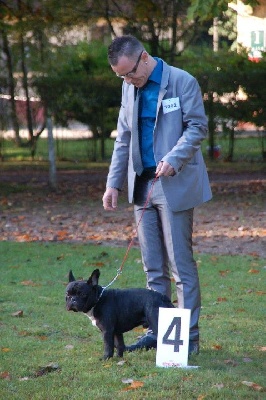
{"x": 173, "y": 338}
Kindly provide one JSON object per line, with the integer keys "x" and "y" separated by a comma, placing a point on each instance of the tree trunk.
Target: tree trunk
{"x": 211, "y": 126}
{"x": 103, "y": 146}
{"x": 263, "y": 147}
{"x": 231, "y": 145}
{"x": 52, "y": 157}
{"x": 14, "y": 118}
{"x": 174, "y": 33}
{"x": 215, "y": 35}
{"x": 26, "y": 90}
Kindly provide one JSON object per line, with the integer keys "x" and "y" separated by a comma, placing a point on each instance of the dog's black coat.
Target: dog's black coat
{"x": 114, "y": 311}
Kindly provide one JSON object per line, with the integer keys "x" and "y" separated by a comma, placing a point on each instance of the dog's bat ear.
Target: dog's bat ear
{"x": 71, "y": 277}
{"x": 93, "y": 279}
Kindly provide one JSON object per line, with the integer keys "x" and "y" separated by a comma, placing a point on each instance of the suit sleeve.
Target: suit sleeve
{"x": 119, "y": 162}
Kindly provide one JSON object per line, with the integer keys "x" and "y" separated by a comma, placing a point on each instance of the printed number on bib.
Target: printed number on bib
{"x": 170, "y": 105}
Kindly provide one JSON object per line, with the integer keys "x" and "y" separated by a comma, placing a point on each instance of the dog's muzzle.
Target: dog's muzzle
{"x": 71, "y": 304}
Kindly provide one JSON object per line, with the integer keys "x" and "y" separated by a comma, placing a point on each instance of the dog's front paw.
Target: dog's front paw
{"x": 106, "y": 357}
{"x": 120, "y": 353}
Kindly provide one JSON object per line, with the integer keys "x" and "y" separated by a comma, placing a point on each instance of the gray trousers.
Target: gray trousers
{"x": 165, "y": 239}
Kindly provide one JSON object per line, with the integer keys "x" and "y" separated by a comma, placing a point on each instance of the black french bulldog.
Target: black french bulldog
{"x": 114, "y": 311}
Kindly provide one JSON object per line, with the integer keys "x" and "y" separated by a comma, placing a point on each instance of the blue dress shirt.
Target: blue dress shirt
{"x": 147, "y": 114}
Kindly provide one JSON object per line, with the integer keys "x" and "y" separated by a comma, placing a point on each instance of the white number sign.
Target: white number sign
{"x": 173, "y": 337}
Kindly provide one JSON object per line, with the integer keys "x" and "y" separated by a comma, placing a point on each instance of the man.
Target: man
{"x": 160, "y": 127}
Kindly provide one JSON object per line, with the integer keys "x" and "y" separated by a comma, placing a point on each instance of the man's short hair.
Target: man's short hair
{"x": 126, "y": 45}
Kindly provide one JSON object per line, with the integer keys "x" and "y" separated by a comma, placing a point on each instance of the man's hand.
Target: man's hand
{"x": 110, "y": 199}
{"x": 165, "y": 169}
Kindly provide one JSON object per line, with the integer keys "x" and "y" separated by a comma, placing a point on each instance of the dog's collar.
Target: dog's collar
{"x": 100, "y": 295}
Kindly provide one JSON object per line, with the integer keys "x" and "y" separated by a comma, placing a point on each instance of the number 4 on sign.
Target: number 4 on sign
{"x": 173, "y": 337}
{"x": 176, "y": 342}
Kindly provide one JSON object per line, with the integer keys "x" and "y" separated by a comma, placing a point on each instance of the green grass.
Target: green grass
{"x": 75, "y": 152}
{"x": 33, "y": 279}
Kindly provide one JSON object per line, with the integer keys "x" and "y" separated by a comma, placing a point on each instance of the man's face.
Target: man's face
{"x": 133, "y": 70}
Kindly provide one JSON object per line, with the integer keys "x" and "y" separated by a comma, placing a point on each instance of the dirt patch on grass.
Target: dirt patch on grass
{"x": 232, "y": 223}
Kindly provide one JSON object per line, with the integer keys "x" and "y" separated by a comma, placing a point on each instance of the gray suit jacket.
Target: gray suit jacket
{"x": 180, "y": 126}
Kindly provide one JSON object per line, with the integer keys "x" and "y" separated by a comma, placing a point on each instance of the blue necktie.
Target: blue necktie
{"x": 136, "y": 156}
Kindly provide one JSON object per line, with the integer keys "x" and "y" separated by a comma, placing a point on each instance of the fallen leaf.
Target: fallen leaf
{"x": 5, "y": 349}
{"x": 45, "y": 370}
{"x": 186, "y": 378}
{"x": 61, "y": 235}
{"x": 18, "y": 313}
{"x": 220, "y": 299}
{"x": 127, "y": 380}
{"x": 98, "y": 264}
{"x": 254, "y": 254}
{"x": 42, "y": 337}
{"x": 69, "y": 347}
{"x": 5, "y": 375}
{"x": 254, "y": 264}
{"x": 201, "y": 397}
{"x": 224, "y": 273}
{"x": 122, "y": 362}
{"x": 254, "y": 271}
{"x": 242, "y": 228}
{"x": 29, "y": 283}
{"x": 94, "y": 237}
{"x": 207, "y": 316}
{"x": 137, "y": 384}
{"x": 262, "y": 348}
{"x": 231, "y": 362}
{"x": 4, "y": 201}
{"x": 219, "y": 385}
{"x": 217, "y": 347}
{"x": 24, "y": 238}
{"x": 254, "y": 386}
{"x": 24, "y": 333}
{"x": 134, "y": 385}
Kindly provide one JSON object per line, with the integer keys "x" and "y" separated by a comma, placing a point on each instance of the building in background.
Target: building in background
{"x": 251, "y": 27}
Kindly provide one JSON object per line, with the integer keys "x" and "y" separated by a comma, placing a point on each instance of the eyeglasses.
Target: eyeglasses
{"x": 131, "y": 73}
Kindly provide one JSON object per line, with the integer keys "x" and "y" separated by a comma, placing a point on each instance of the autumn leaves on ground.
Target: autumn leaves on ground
{"x": 232, "y": 223}
{"x": 47, "y": 352}
{"x": 45, "y": 349}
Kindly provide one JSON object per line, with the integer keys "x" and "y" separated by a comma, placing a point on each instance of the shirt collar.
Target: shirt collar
{"x": 156, "y": 75}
